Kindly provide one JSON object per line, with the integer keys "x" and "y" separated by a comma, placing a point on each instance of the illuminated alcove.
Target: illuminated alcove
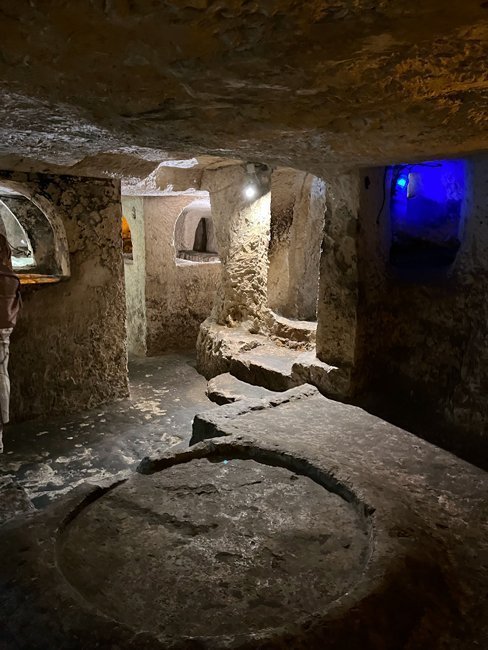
{"x": 426, "y": 213}
{"x": 22, "y": 251}
{"x": 36, "y": 236}
{"x": 127, "y": 247}
{"x": 194, "y": 237}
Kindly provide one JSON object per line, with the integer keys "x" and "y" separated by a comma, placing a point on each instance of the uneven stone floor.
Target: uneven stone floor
{"x": 50, "y": 457}
{"x": 291, "y": 521}
{"x": 295, "y": 522}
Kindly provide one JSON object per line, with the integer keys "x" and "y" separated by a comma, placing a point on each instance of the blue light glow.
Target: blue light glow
{"x": 426, "y": 202}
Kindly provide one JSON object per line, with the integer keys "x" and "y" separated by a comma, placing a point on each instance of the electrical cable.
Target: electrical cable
{"x": 398, "y": 170}
{"x": 385, "y": 171}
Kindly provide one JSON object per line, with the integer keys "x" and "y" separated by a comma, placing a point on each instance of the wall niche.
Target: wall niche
{"x": 194, "y": 237}
{"x": 426, "y": 214}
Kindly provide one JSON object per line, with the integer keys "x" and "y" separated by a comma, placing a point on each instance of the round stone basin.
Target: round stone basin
{"x": 214, "y": 548}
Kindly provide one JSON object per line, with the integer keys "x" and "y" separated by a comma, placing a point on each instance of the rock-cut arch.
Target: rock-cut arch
{"x": 44, "y": 227}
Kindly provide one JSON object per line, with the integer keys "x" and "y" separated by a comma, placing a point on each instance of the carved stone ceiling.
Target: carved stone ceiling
{"x": 119, "y": 85}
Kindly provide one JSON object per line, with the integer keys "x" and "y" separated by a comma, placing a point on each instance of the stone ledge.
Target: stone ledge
{"x": 258, "y": 360}
{"x": 252, "y": 358}
{"x": 226, "y": 388}
{"x": 289, "y": 329}
{"x": 211, "y": 423}
{"x": 330, "y": 380}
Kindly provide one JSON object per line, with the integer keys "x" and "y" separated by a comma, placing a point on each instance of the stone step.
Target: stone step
{"x": 226, "y": 388}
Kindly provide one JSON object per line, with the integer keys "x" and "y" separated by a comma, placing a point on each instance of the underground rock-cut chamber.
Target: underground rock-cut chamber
{"x": 212, "y": 548}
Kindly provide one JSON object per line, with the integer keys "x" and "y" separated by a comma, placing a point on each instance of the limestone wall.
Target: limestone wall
{"x": 135, "y": 277}
{"x": 285, "y": 184}
{"x": 305, "y": 248}
{"x": 338, "y": 286}
{"x": 168, "y": 298}
{"x": 297, "y": 224}
{"x": 242, "y": 229}
{"x": 69, "y": 348}
{"x": 424, "y": 343}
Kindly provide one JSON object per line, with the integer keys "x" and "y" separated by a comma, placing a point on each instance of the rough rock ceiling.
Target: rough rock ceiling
{"x": 115, "y": 84}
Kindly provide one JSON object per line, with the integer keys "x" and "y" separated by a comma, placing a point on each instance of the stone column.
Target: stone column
{"x": 338, "y": 285}
{"x": 242, "y": 225}
{"x": 304, "y": 253}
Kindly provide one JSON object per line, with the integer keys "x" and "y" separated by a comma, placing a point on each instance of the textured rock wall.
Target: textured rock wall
{"x": 285, "y": 185}
{"x": 69, "y": 348}
{"x": 297, "y": 224}
{"x": 242, "y": 231}
{"x": 286, "y": 82}
{"x": 188, "y": 230}
{"x": 135, "y": 277}
{"x": 305, "y": 247}
{"x": 179, "y": 295}
{"x": 338, "y": 285}
{"x": 423, "y": 344}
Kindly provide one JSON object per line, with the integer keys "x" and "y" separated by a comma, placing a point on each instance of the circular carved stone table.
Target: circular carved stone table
{"x": 214, "y": 548}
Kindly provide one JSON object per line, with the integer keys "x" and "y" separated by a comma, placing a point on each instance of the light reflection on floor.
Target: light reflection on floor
{"x": 50, "y": 457}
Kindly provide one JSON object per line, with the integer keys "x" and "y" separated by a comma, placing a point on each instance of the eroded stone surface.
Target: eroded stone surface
{"x": 330, "y": 380}
{"x": 253, "y": 358}
{"x": 68, "y": 350}
{"x": 430, "y": 510}
{"x": 221, "y": 421}
{"x": 338, "y": 286}
{"x": 275, "y": 362}
{"x": 13, "y": 500}
{"x": 285, "y": 82}
{"x": 210, "y": 549}
{"x": 242, "y": 232}
{"x": 294, "y": 333}
{"x": 297, "y": 224}
{"x": 225, "y": 388}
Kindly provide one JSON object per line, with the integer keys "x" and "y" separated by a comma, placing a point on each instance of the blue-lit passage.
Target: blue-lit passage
{"x": 426, "y": 212}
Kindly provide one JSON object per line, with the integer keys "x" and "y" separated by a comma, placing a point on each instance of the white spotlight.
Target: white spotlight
{"x": 250, "y": 192}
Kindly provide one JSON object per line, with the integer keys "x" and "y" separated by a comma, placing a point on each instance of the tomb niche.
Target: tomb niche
{"x": 195, "y": 235}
